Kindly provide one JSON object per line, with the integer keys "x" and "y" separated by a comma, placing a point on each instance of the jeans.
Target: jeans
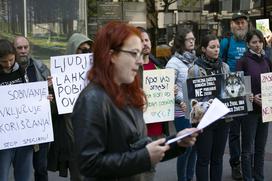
{"x": 254, "y": 136}
{"x": 185, "y": 162}
{"x": 21, "y": 158}
{"x": 40, "y": 162}
{"x": 210, "y": 147}
{"x": 234, "y": 142}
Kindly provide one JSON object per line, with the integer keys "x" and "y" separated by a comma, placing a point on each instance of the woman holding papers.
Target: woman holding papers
{"x": 110, "y": 133}
{"x": 184, "y": 57}
{"x": 254, "y": 131}
{"x": 211, "y": 143}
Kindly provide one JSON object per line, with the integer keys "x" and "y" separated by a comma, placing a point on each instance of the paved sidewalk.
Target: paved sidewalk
{"x": 167, "y": 170}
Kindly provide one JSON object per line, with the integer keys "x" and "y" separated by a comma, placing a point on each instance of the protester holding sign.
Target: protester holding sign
{"x": 211, "y": 143}
{"x": 154, "y": 130}
{"x": 254, "y": 131}
{"x": 232, "y": 49}
{"x": 35, "y": 71}
{"x": 21, "y": 157}
{"x": 110, "y": 132}
{"x": 268, "y": 46}
{"x": 184, "y": 57}
{"x": 62, "y": 152}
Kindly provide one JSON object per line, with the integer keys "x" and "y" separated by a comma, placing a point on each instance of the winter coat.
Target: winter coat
{"x": 108, "y": 139}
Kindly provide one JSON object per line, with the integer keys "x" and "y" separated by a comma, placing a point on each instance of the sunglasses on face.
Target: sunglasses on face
{"x": 85, "y": 50}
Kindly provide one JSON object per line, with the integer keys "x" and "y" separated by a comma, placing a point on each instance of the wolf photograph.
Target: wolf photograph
{"x": 234, "y": 85}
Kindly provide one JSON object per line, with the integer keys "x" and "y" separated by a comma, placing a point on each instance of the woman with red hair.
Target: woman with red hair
{"x": 110, "y": 133}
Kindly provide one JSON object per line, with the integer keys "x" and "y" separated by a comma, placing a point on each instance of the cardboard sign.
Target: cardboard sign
{"x": 263, "y": 26}
{"x": 229, "y": 88}
{"x": 25, "y": 115}
{"x": 69, "y": 78}
{"x": 266, "y": 89}
{"x": 158, "y": 86}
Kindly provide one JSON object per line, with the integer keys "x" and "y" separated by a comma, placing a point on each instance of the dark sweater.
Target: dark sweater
{"x": 254, "y": 66}
{"x": 15, "y": 77}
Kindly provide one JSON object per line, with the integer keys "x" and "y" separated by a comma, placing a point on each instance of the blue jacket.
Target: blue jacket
{"x": 235, "y": 50}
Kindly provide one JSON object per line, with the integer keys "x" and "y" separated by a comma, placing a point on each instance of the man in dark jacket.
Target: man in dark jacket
{"x": 34, "y": 71}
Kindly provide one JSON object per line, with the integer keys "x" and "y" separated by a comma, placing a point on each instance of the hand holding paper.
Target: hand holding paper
{"x": 216, "y": 110}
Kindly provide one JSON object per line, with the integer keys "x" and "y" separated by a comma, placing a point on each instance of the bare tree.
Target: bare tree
{"x": 167, "y": 3}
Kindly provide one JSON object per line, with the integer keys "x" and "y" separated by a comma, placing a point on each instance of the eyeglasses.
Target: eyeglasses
{"x": 190, "y": 39}
{"x": 135, "y": 55}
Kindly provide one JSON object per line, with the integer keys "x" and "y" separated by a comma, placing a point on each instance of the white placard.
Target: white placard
{"x": 266, "y": 89}
{"x": 263, "y": 26}
{"x": 25, "y": 115}
{"x": 158, "y": 86}
{"x": 69, "y": 78}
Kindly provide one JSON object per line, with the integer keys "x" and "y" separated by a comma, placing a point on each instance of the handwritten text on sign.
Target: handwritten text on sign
{"x": 158, "y": 86}
{"x": 25, "y": 116}
{"x": 266, "y": 86}
{"x": 69, "y": 78}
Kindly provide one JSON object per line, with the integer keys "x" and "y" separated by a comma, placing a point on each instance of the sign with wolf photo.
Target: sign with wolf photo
{"x": 229, "y": 88}
{"x": 158, "y": 86}
{"x": 25, "y": 115}
{"x": 69, "y": 74}
{"x": 266, "y": 94}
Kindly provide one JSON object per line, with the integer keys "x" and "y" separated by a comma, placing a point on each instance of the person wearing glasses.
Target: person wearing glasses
{"x": 62, "y": 153}
{"x": 79, "y": 43}
{"x": 110, "y": 133}
{"x": 183, "y": 58}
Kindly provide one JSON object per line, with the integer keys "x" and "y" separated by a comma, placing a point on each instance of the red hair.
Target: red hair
{"x": 108, "y": 38}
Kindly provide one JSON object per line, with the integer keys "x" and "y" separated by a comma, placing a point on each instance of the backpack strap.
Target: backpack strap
{"x": 226, "y": 50}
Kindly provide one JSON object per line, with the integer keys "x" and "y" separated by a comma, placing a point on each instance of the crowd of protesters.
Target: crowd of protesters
{"x": 106, "y": 138}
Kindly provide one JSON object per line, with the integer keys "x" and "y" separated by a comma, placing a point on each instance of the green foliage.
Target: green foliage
{"x": 187, "y": 3}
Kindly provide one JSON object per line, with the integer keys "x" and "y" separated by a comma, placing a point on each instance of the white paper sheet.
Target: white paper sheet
{"x": 216, "y": 110}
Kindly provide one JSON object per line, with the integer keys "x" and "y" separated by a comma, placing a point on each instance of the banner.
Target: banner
{"x": 158, "y": 86}
{"x": 266, "y": 89}
{"x": 69, "y": 78}
{"x": 229, "y": 88}
{"x": 25, "y": 115}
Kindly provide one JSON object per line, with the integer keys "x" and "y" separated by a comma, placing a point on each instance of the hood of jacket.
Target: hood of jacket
{"x": 75, "y": 41}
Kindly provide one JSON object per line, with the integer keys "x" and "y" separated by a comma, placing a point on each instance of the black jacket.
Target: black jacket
{"x": 104, "y": 135}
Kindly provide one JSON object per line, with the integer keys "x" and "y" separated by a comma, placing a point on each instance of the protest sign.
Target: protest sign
{"x": 215, "y": 111}
{"x": 266, "y": 89}
{"x": 263, "y": 26}
{"x": 25, "y": 115}
{"x": 229, "y": 88}
{"x": 158, "y": 86}
{"x": 69, "y": 78}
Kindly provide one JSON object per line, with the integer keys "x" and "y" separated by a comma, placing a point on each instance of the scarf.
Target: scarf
{"x": 212, "y": 66}
{"x": 186, "y": 57}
